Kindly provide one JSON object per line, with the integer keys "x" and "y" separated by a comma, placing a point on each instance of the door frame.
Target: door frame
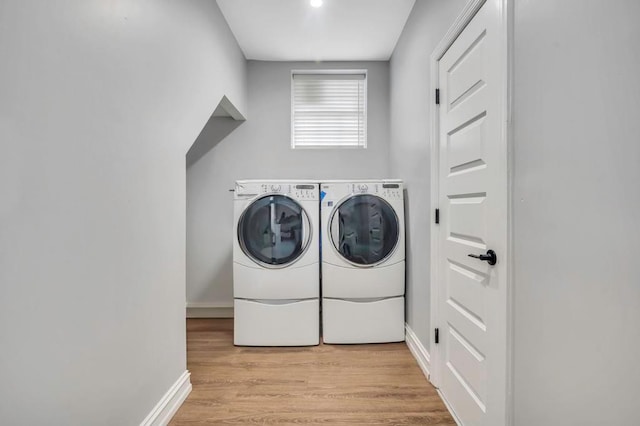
{"x": 506, "y": 88}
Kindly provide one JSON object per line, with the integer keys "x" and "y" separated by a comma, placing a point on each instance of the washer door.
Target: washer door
{"x": 274, "y": 231}
{"x": 364, "y": 229}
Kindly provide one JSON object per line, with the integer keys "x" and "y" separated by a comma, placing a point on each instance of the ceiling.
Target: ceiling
{"x": 339, "y": 30}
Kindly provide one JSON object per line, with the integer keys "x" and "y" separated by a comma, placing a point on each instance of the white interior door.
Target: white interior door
{"x": 472, "y": 304}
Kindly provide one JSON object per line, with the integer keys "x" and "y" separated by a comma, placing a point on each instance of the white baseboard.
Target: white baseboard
{"x": 209, "y": 310}
{"x": 423, "y": 358}
{"x": 418, "y": 351}
{"x": 168, "y": 405}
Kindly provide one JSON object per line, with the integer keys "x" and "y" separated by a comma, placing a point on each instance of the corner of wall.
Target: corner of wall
{"x": 170, "y": 402}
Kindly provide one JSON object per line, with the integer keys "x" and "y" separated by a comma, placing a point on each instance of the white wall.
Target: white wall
{"x": 261, "y": 148}
{"x": 411, "y": 100}
{"x": 99, "y": 102}
{"x": 577, "y": 204}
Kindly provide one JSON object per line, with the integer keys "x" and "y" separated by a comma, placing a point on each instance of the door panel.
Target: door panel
{"x": 473, "y": 408}
{"x": 468, "y": 362}
{"x": 471, "y": 361}
{"x": 468, "y": 324}
{"x": 466, "y": 73}
{"x": 465, "y": 147}
{"x": 467, "y": 216}
{"x": 466, "y": 289}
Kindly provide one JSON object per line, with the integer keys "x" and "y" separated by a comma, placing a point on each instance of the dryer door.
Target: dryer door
{"x": 364, "y": 230}
{"x": 274, "y": 231}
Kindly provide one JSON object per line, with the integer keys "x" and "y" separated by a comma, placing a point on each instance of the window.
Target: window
{"x": 329, "y": 109}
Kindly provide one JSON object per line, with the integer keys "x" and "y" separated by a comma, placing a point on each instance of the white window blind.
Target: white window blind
{"x": 329, "y": 109}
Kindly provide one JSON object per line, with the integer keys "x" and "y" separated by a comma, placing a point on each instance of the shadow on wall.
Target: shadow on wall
{"x": 224, "y": 120}
{"x": 407, "y": 244}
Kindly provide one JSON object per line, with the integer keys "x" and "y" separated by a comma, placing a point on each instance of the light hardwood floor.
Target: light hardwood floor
{"x": 326, "y": 384}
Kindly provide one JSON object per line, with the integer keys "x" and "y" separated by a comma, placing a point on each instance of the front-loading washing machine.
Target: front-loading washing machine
{"x": 276, "y": 263}
{"x": 363, "y": 261}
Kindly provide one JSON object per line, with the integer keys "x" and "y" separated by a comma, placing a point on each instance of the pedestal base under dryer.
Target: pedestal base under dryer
{"x": 363, "y": 321}
{"x": 276, "y": 322}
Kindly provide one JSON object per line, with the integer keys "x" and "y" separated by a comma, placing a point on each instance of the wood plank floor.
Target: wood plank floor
{"x": 326, "y": 384}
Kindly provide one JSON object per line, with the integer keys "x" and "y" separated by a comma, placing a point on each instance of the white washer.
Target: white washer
{"x": 363, "y": 261}
{"x": 276, "y": 258}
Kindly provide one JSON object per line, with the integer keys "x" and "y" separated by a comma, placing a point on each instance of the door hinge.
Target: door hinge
{"x": 437, "y": 216}
{"x": 437, "y": 96}
{"x": 437, "y": 335}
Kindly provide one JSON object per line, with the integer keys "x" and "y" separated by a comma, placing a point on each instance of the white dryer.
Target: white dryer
{"x": 363, "y": 261}
{"x": 276, "y": 259}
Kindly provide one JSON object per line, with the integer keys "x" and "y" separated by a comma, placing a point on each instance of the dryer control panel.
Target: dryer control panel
{"x": 386, "y": 190}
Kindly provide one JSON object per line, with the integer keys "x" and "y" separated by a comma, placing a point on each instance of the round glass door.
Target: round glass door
{"x": 364, "y": 229}
{"x": 274, "y": 231}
